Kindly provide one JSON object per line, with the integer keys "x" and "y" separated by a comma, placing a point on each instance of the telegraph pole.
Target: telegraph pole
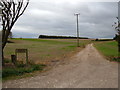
{"x": 77, "y": 14}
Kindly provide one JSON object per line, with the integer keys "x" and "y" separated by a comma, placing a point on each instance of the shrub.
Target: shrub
{"x": 116, "y": 59}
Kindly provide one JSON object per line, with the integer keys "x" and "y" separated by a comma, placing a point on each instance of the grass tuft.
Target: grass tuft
{"x": 20, "y": 70}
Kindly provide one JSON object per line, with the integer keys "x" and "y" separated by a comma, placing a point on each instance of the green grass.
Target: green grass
{"x": 7, "y": 60}
{"x": 7, "y": 72}
{"x": 42, "y": 50}
{"x": 108, "y": 49}
{"x": 48, "y": 41}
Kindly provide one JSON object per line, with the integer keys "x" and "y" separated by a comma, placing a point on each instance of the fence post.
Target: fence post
{"x": 13, "y": 58}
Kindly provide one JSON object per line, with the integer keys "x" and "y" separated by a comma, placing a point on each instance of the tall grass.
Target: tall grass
{"x": 20, "y": 70}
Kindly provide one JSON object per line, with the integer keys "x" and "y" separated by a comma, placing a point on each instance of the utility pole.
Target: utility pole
{"x": 77, "y": 14}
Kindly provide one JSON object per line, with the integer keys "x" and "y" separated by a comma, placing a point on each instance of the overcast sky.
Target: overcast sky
{"x": 56, "y": 17}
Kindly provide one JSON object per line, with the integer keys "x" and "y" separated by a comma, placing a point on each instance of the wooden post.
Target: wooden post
{"x": 26, "y": 56}
{"x": 13, "y": 58}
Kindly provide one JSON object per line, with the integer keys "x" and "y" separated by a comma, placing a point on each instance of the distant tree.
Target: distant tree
{"x": 11, "y": 11}
{"x": 117, "y": 28}
{"x": 96, "y": 39}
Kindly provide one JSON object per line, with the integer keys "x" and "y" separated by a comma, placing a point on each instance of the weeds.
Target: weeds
{"x": 20, "y": 70}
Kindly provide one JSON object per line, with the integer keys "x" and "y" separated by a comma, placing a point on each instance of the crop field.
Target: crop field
{"x": 108, "y": 49}
{"x": 42, "y": 50}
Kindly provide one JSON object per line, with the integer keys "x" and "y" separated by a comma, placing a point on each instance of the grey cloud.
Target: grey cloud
{"x": 45, "y": 17}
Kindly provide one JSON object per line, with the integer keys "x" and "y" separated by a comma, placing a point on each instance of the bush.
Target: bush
{"x": 116, "y": 59}
{"x": 96, "y": 39}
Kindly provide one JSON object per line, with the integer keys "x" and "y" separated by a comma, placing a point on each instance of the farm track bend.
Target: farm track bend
{"x": 87, "y": 69}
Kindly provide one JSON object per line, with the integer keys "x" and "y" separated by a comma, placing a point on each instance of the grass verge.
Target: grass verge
{"x": 19, "y": 70}
{"x": 109, "y": 49}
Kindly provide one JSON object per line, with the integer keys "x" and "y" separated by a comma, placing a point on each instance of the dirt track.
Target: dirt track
{"x": 87, "y": 69}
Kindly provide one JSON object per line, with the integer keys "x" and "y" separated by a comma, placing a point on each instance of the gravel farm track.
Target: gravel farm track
{"x": 87, "y": 69}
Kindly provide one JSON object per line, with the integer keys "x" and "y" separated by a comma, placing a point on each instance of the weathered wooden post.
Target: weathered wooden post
{"x": 26, "y": 56}
{"x": 13, "y": 58}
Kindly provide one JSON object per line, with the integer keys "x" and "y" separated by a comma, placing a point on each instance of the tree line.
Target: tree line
{"x": 60, "y": 37}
